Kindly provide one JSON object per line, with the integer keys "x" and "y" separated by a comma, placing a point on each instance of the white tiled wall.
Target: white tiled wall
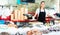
{"x": 7, "y": 2}
{"x": 3, "y": 2}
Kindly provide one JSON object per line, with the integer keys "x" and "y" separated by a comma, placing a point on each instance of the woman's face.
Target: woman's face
{"x": 43, "y": 4}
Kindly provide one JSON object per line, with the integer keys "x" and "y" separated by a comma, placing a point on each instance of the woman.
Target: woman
{"x": 41, "y": 12}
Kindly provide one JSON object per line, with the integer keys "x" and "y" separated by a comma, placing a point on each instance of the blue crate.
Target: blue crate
{"x": 18, "y": 2}
{"x": 2, "y": 21}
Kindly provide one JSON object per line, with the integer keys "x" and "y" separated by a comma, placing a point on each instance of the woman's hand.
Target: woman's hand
{"x": 33, "y": 17}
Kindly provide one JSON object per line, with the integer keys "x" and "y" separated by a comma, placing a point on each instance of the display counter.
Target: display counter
{"x": 24, "y": 30}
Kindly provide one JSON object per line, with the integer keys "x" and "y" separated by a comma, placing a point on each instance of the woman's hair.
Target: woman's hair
{"x": 41, "y": 3}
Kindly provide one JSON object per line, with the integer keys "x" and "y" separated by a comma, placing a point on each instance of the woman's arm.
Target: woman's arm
{"x": 36, "y": 13}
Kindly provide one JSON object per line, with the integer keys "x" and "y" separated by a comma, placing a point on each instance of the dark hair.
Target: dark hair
{"x": 41, "y": 3}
